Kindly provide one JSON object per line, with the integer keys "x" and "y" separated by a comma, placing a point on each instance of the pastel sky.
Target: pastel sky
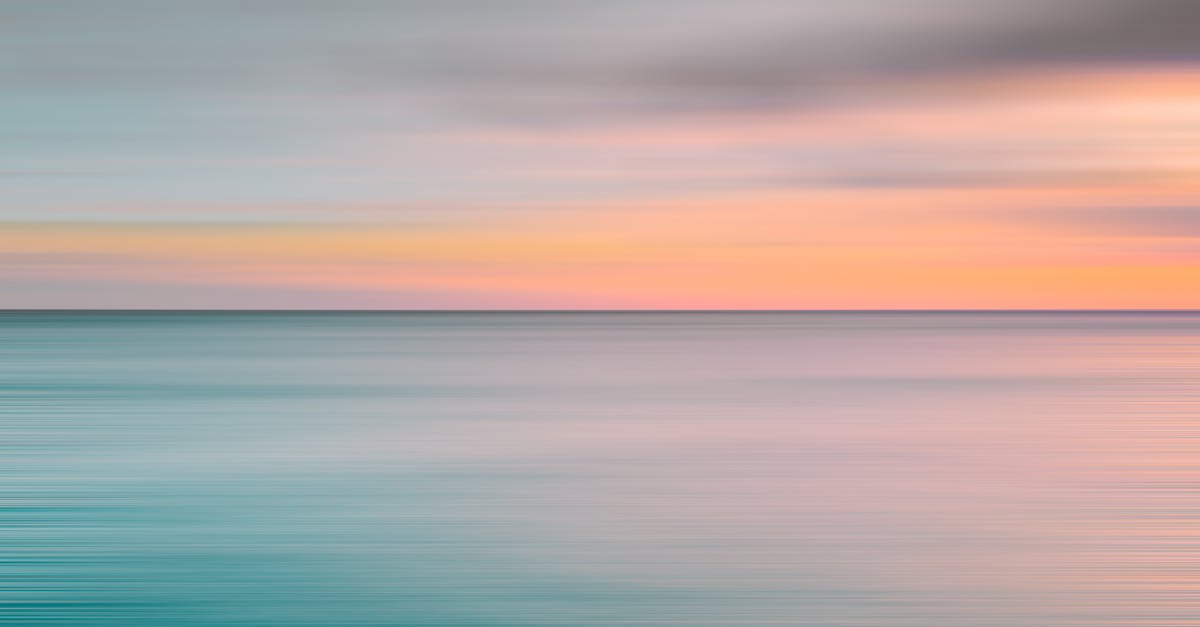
{"x": 509, "y": 154}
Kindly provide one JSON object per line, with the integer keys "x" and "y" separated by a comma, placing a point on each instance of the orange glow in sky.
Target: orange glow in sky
{"x": 1071, "y": 181}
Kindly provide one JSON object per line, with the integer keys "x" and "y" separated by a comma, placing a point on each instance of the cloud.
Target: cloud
{"x": 142, "y": 293}
{"x": 569, "y": 61}
{"x": 1149, "y": 221}
{"x": 1106, "y": 31}
{"x": 701, "y": 56}
{"x": 27, "y": 262}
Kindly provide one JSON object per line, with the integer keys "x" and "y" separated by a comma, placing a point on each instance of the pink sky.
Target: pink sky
{"x": 663, "y": 154}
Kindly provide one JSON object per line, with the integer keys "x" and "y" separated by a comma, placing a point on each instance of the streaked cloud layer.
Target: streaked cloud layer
{"x": 659, "y": 153}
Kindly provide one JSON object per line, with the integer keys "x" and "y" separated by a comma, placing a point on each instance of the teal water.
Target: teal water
{"x": 585, "y": 469}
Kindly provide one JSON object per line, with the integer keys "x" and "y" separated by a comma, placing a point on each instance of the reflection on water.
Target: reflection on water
{"x": 584, "y": 469}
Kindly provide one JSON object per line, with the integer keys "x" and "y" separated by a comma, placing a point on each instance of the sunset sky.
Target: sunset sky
{"x": 450, "y": 154}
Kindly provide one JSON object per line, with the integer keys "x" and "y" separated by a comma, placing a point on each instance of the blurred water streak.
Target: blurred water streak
{"x": 583, "y": 469}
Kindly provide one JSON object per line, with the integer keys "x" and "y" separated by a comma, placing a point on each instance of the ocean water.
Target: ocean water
{"x": 587, "y": 469}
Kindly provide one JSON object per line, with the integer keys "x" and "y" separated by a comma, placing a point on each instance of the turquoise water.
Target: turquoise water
{"x": 585, "y": 469}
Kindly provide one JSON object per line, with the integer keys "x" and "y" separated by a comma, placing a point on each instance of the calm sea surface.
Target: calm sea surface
{"x": 588, "y": 469}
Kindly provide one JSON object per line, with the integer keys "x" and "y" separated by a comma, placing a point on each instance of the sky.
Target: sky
{"x": 627, "y": 154}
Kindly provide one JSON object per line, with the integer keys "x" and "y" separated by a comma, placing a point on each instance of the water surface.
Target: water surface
{"x": 583, "y": 469}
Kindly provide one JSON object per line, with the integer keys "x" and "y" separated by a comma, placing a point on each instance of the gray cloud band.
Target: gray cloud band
{"x": 564, "y": 62}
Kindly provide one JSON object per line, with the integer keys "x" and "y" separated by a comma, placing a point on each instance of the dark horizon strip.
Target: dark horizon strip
{"x": 600, "y": 311}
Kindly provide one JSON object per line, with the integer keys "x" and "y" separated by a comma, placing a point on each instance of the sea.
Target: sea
{"x": 586, "y": 469}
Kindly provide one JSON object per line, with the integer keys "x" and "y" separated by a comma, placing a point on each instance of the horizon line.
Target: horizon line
{"x": 549, "y": 310}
